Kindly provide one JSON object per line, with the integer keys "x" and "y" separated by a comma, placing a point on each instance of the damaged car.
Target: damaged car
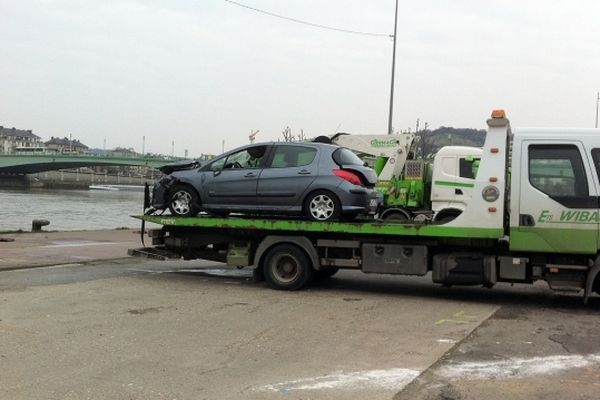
{"x": 320, "y": 181}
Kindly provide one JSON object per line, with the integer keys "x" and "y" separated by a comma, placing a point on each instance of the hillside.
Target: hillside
{"x": 432, "y": 140}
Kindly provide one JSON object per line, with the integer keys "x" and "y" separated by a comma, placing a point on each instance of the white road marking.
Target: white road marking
{"x": 392, "y": 379}
{"x": 445, "y": 341}
{"x": 517, "y": 367}
{"x": 28, "y": 270}
{"x": 56, "y": 246}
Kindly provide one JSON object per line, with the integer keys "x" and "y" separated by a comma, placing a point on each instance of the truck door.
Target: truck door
{"x": 558, "y": 204}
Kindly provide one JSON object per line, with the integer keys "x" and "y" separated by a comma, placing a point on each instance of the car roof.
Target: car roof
{"x": 272, "y": 143}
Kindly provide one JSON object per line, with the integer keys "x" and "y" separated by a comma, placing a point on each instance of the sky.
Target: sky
{"x": 200, "y": 72}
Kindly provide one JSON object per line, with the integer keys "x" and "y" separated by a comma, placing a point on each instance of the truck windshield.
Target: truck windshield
{"x": 346, "y": 157}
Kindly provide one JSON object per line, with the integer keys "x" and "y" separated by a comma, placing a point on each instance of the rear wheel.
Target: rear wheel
{"x": 395, "y": 216}
{"x": 286, "y": 267}
{"x": 183, "y": 201}
{"x": 322, "y": 206}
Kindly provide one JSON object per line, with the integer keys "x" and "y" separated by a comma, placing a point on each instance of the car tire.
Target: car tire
{"x": 322, "y": 206}
{"x": 287, "y": 267}
{"x": 325, "y": 273}
{"x": 183, "y": 201}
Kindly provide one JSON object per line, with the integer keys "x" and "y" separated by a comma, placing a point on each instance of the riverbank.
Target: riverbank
{"x": 28, "y": 250}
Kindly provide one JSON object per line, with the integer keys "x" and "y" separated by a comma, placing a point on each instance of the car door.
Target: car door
{"x": 234, "y": 181}
{"x": 558, "y": 202}
{"x": 291, "y": 170}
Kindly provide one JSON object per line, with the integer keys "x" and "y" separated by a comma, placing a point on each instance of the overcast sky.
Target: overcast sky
{"x": 199, "y": 71}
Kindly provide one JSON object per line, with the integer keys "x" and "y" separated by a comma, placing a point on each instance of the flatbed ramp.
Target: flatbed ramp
{"x": 370, "y": 228}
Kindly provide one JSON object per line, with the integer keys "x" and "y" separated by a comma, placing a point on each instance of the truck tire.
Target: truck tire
{"x": 286, "y": 267}
{"x": 183, "y": 201}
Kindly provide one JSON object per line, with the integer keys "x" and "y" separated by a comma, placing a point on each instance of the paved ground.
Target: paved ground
{"x": 158, "y": 330}
{"x": 24, "y": 250}
{"x": 79, "y": 330}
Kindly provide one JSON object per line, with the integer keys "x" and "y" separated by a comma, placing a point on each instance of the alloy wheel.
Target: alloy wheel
{"x": 321, "y": 207}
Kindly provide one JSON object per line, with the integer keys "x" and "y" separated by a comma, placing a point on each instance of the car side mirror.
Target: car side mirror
{"x": 217, "y": 172}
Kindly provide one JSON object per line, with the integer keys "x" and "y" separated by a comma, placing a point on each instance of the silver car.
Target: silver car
{"x": 320, "y": 181}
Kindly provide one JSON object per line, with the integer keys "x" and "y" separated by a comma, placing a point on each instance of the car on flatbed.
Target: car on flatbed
{"x": 322, "y": 182}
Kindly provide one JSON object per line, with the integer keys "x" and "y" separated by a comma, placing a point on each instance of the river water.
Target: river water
{"x": 69, "y": 209}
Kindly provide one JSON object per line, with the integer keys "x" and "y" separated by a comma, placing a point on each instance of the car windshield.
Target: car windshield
{"x": 346, "y": 157}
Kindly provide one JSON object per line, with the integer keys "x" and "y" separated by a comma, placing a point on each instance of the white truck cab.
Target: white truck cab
{"x": 454, "y": 172}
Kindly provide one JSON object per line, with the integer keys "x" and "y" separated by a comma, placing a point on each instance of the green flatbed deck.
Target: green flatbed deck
{"x": 297, "y": 225}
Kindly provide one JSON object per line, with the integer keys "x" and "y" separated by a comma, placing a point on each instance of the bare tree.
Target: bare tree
{"x": 287, "y": 134}
{"x": 301, "y": 136}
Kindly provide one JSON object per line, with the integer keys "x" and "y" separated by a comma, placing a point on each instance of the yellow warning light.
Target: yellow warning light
{"x": 498, "y": 114}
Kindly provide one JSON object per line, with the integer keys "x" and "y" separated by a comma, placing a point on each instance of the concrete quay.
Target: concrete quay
{"x": 26, "y": 250}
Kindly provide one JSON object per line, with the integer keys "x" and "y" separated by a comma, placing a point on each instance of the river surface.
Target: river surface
{"x": 69, "y": 210}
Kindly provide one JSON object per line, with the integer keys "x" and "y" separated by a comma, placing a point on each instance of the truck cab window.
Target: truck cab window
{"x": 557, "y": 170}
{"x": 468, "y": 167}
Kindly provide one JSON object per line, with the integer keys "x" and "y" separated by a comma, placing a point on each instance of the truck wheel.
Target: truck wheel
{"x": 322, "y": 206}
{"x": 286, "y": 267}
{"x": 445, "y": 216}
{"x": 183, "y": 201}
{"x": 325, "y": 273}
{"x": 395, "y": 216}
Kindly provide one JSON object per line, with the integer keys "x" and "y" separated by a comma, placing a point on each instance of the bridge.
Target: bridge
{"x": 33, "y": 163}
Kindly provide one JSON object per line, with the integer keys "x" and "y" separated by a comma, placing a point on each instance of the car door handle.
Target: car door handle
{"x": 304, "y": 172}
{"x": 250, "y": 175}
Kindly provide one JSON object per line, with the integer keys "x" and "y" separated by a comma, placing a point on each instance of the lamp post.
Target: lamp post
{"x": 597, "y": 103}
{"x": 393, "y": 71}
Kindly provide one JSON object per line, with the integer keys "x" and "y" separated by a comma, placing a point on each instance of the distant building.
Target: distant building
{"x": 65, "y": 145}
{"x": 123, "y": 152}
{"x": 14, "y": 140}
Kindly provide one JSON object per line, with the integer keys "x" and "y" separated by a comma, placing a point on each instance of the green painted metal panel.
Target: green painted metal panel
{"x": 552, "y": 240}
{"x": 365, "y": 228}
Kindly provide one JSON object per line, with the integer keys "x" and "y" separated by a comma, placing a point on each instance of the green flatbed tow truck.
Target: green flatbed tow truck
{"x": 533, "y": 215}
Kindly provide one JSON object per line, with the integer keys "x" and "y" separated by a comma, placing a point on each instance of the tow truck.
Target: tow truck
{"x": 411, "y": 187}
{"x": 533, "y": 216}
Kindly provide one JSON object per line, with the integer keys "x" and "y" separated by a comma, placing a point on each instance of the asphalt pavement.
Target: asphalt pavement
{"x": 133, "y": 329}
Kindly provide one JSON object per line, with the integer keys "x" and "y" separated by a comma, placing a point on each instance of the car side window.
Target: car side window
{"x": 217, "y": 165}
{"x": 292, "y": 156}
{"x": 557, "y": 170}
{"x": 252, "y": 157}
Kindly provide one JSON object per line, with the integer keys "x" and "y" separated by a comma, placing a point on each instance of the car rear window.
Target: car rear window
{"x": 346, "y": 157}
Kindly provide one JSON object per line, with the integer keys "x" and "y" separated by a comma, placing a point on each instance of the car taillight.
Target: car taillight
{"x": 348, "y": 176}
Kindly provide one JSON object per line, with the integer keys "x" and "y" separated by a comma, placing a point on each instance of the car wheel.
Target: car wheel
{"x": 286, "y": 267}
{"x": 322, "y": 206}
{"x": 183, "y": 201}
{"x": 325, "y": 273}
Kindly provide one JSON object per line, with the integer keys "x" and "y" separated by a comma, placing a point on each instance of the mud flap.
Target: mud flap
{"x": 591, "y": 277}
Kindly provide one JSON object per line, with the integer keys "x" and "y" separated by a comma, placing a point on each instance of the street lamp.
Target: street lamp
{"x": 597, "y": 103}
{"x": 393, "y": 72}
